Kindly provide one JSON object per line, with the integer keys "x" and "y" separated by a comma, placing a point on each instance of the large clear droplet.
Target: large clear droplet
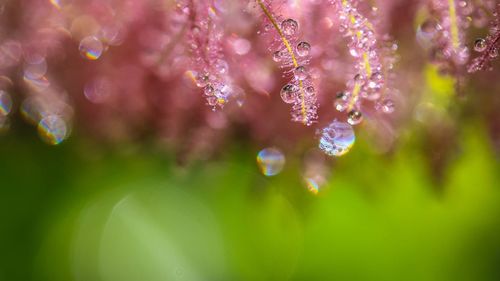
{"x": 337, "y": 139}
{"x": 289, "y": 93}
{"x": 354, "y": 117}
{"x": 289, "y": 27}
{"x": 91, "y": 48}
{"x": 480, "y": 45}
{"x": 53, "y": 129}
{"x": 300, "y": 73}
{"x": 270, "y": 161}
{"x": 303, "y": 49}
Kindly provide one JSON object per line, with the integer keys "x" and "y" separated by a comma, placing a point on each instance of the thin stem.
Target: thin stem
{"x": 290, "y": 51}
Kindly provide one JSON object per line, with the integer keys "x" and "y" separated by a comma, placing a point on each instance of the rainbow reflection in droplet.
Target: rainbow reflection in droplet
{"x": 312, "y": 185}
{"x": 53, "y": 129}
{"x": 5, "y": 103}
{"x": 270, "y": 161}
{"x": 91, "y": 48}
{"x": 337, "y": 139}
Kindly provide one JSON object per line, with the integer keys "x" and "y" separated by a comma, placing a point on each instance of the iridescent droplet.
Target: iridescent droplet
{"x": 480, "y": 45}
{"x": 303, "y": 49}
{"x": 91, "y": 48}
{"x": 5, "y": 104}
{"x": 289, "y": 27}
{"x": 53, "y": 129}
{"x": 289, "y": 93}
{"x": 337, "y": 139}
{"x": 270, "y": 161}
{"x": 312, "y": 185}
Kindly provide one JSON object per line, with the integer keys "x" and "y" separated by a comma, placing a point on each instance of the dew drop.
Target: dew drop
{"x": 98, "y": 90}
{"x": 5, "y": 104}
{"x": 310, "y": 91}
{"x": 53, "y": 129}
{"x": 270, "y": 161}
{"x": 289, "y": 93}
{"x": 202, "y": 80}
{"x": 300, "y": 73}
{"x": 341, "y": 101}
{"x": 91, "y": 48}
{"x": 354, "y": 117}
{"x": 277, "y": 56}
{"x": 337, "y": 139}
{"x": 289, "y": 27}
{"x": 303, "y": 49}
{"x": 493, "y": 53}
{"x": 388, "y": 106}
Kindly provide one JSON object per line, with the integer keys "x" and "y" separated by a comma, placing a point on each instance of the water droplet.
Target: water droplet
{"x": 300, "y": 73}
{"x": 36, "y": 68}
{"x": 221, "y": 66}
{"x": 354, "y": 117}
{"x": 98, "y": 90}
{"x": 289, "y": 27}
{"x": 5, "y": 104}
{"x": 388, "y": 106}
{"x": 303, "y": 49}
{"x": 493, "y": 53}
{"x": 91, "y": 48}
{"x": 53, "y": 129}
{"x": 277, "y": 56}
{"x": 337, "y": 139}
{"x": 202, "y": 80}
{"x": 310, "y": 91}
{"x": 208, "y": 90}
{"x": 289, "y": 93}
{"x": 270, "y": 161}
{"x": 341, "y": 101}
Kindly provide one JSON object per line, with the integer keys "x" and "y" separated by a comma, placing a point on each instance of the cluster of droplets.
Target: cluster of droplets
{"x": 337, "y": 138}
{"x": 210, "y": 69}
{"x": 293, "y": 55}
{"x": 489, "y": 47}
{"x": 443, "y": 33}
{"x": 368, "y": 80}
{"x": 270, "y": 161}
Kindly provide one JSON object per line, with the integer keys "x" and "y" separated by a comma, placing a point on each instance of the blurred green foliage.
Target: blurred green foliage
{"x": 77, "y": 212}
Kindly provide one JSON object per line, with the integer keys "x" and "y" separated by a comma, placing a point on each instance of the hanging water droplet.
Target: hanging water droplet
{"x": 208, "y": 90}
{"x": 289, "y": 27}
{"x": 480, "y": 45}
{"x": 277, "y": 56}
{"x": 303, "y": 49}
{"x": 91, "y": 48}
{"x": 202, "y": 80}
{"x": 300, "y": 73}
{"x": 337, "y": 139}
{"x": 270, "y": 161}
{"x": 493, "y": 53}
{"x": 341, "y": 101}
{"x": 310, "y": 91}
{"x": 354, "y": 117}
{"x": 289, "y": 93}
{"x": 388, "y": 106}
